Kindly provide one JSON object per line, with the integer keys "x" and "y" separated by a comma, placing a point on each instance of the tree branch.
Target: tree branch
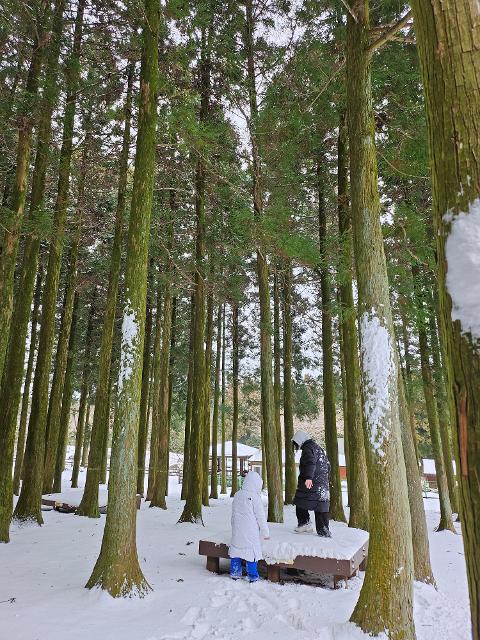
{"x": 389, "y": 33}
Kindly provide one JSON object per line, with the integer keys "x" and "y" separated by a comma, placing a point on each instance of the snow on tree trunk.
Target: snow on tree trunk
{"x": 386, "y": 599}
{"x": 117, "y": 569}
{"x": 290, "y": 468}
{"x": 448, "y": 35}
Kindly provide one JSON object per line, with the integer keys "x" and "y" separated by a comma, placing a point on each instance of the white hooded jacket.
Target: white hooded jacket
{"x": 249, "y": 522}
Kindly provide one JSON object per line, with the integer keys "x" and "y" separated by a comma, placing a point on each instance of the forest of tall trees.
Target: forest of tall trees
{"x": 219, "y": 220}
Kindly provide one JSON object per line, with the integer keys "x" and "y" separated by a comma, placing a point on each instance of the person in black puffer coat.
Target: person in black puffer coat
{"x": 313, "y": 489}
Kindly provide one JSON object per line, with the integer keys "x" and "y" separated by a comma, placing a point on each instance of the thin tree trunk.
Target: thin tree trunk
{"x": 443, "y": 411}
{"x": 353, "y": 425}
{"x": 277, "y": 385}
{"x": 157, "y": 368}
{"x": 10, "y": 233}
{"x": 216, "y": 400}
{"x": 28, "y": 507}
{"x": 170, "y": 385}
{"x": 56, "y": 394}
{"x": 143, "y": 427}
{"x": 117, "y": 569}
{"x": 208, "y": 366}
{"x": 446, "y": 518}
{"x": 421, "y": 551}
{"x": 83, "y": 420}
{"x": 223, "y": 462}
{"x": 55, "y": 408}
{"x": 192, "y": 511}
{"x": 87, "y": 434}
{"x": 329, "y": 403}
{"x": 162, "y": 399}
{"x": 22, "y": 430}
{"x": 235, "y": 368}
{"x": 408, "y": 384}
{"x": 14, "y": 365}
{"x": 66, "y": 404}
{"x": 386, "y": 599}
{"x": 446, "y": 35}
{"x": 275, "y": 493}
{"x": 89, "y": 503}
{"x": 188, "y": 405}
{"x": 290, "y": 468}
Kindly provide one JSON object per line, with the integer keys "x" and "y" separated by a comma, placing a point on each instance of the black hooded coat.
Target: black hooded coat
{"x": 315, "y": 466}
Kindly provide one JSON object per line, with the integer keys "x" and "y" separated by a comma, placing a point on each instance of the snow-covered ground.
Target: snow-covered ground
{"x": 43, "y": 571}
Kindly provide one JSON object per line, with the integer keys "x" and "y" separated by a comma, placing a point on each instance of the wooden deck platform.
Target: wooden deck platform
{"x": 339, "y": 569}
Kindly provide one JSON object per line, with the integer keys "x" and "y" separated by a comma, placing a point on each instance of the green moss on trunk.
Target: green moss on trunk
{"x": 117, "y": 569}
{"x": 29, "y": 502}
{"x": 290, "y": 468}
{"x": 329, "y": 404}
{"x": 386, "y": 599}
{"x": 353, "y": 420}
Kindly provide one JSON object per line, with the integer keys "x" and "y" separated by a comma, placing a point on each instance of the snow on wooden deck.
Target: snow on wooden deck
{"x": 285, "y": 545}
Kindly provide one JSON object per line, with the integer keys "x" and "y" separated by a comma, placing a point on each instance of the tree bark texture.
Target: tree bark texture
{"x": 386, "y": 599}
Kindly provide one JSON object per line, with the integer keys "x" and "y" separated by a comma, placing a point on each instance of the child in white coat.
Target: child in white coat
{"x": 249, "y": 526}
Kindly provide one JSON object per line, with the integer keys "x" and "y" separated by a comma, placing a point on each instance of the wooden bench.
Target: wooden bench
{"x": 340, "y": 569}
{"x": 66, "y": 507}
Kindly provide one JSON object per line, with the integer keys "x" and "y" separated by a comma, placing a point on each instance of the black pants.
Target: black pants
{"x": 321, "y": 519}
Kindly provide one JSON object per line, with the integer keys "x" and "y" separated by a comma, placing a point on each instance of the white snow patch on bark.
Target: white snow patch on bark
{"x": 378, "y": 369}
{"x": 130, "y": 332}
{"x": 462, "y": 251}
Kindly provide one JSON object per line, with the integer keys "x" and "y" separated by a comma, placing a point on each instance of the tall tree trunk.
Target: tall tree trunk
{"x": 408, "y": 382}
{"x": 22, "y": 429}
{"x": 83, "y": 421}
{"x": 192, "y": 511}
{"x": 56, "y": 394}
{"x": 10, "y": 233}
{"x": 87, "y": 433}
{"x": 277, "y": 385}
{"x": 421, "y": 551}
{"x": 275, "y": 493}
{"x": 188, "y": 404}
{"x": 445, "y": 35}
{"x": 162, "y": 398}
{"x": 24, "y": 293}
{"x": 446, "y": 519}
{"x": 386, "y": 598}
{"x": 55, "y": 409}
{"x": 157, "y": 372}
{"x": 89, "y": 503}
{"x": 443, "y": 411}
{"x": 145, "y": 393}
{"x": 235, "y": 368}
{"x": 216, "y": 400}
{"x": 329, "y": 404}
{"x": 14, "y": 365}
{"x": 223, "y": 462}
{"x": 355, "y": 447}
{"x": 170, "y": 383}
{"x": 117, "y": 569}
{"x": 66, "y": 404}
{"x": 290, "y": 468}
{"x": 208, "y": 366}
{"x": 29, "y": 502}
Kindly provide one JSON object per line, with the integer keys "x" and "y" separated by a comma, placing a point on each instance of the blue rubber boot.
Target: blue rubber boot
{"x": 236, "y": 568}
{"x": 252, "y": 572}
